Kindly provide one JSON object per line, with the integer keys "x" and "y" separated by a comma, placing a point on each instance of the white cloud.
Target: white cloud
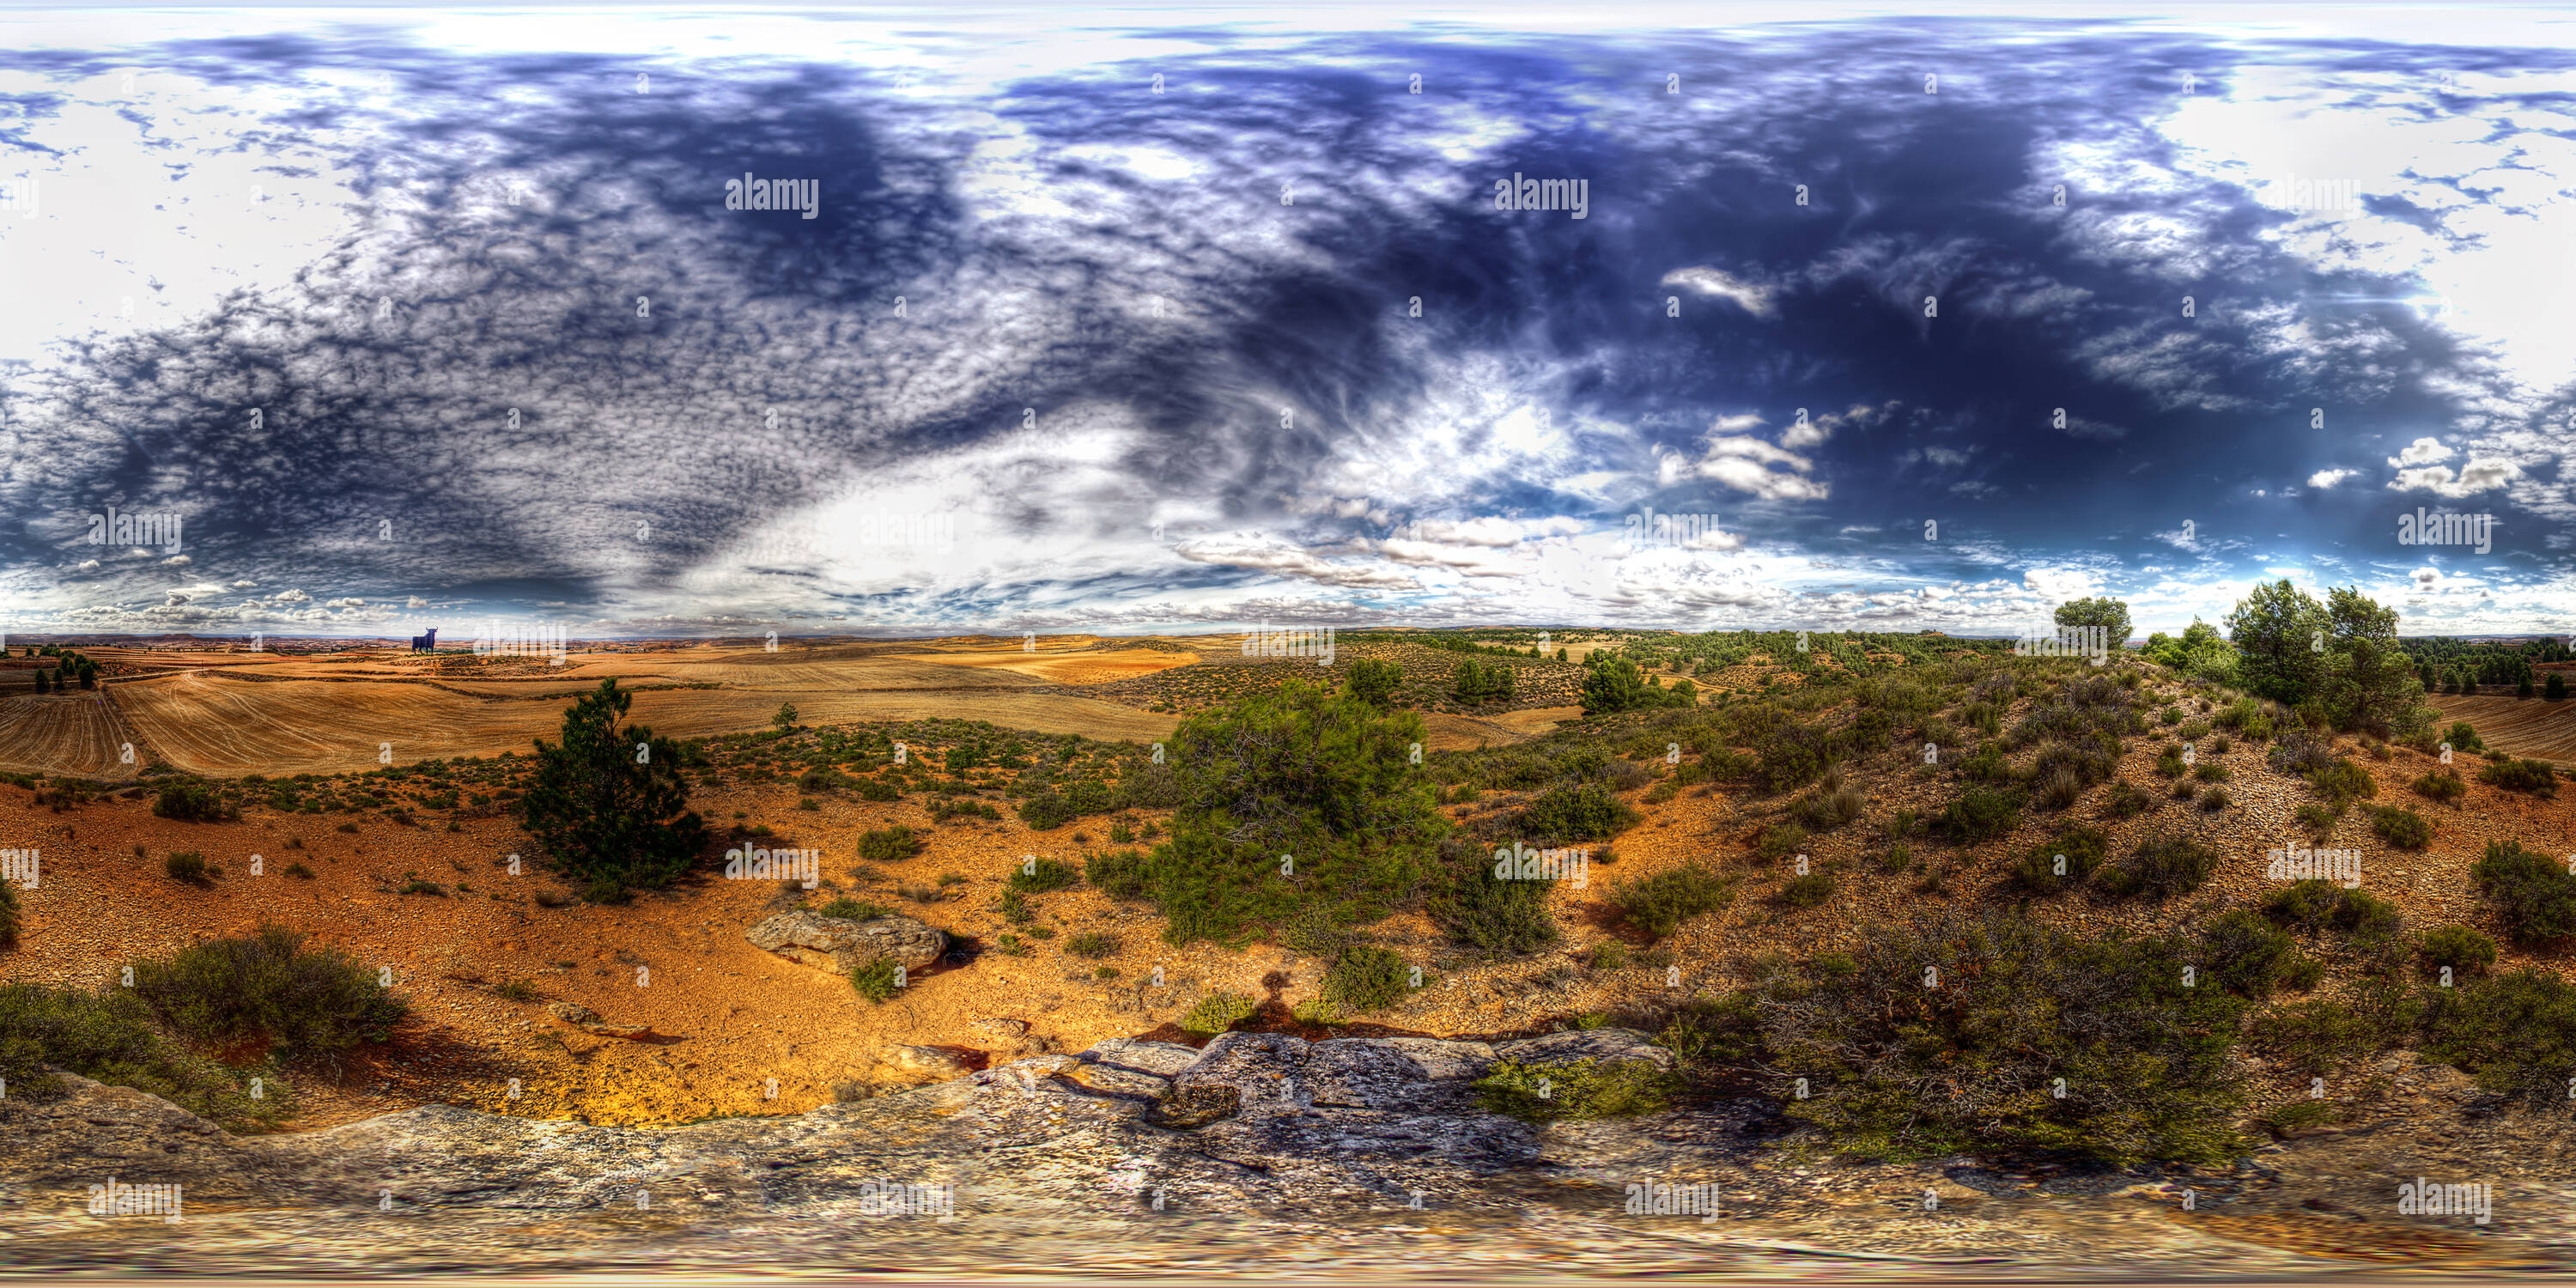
{"x": 1754, "y": 299}
{"x": 2477, "y": 475}
{"x": 2423, "y": 451}
{"x": 2323, "y": 479}
{"x": 1743, "y": 463}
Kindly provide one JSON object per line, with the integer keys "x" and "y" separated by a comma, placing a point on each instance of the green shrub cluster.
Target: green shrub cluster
{"x": 1659, "y": 904}
{"x": 2533, "y": 892}
{"x": 307, "y": 1004}
{"x": 1950, "y": 1036}
{"x": 1574, "y": 1090}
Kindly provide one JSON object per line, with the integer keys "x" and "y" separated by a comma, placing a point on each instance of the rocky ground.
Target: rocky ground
{"x": 1262, "y": 1154}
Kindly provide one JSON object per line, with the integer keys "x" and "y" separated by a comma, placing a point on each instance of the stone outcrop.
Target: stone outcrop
{"x": 1260, "y": 1151}
{"x": 840, "y": 945}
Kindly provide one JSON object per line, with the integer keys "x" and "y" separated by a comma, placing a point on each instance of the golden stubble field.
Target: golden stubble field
{"x": 2533, "y": 727}
{"x": 224, "y": 714}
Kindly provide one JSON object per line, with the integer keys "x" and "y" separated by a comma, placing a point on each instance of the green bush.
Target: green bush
{"x": 2160, "y": 869}
{"x": 2246, "y": 955}
{"x": 1037, "y": 876}
{"x": 1950, "y": 1036}
{"x": 308, "y": 1005}
{"x": 2515, "y": 1033}
{"x": 2531, "y": 776}
{"x": 1575, "y": 1090}
{"x": 2463, "y": 738}
{"x": 1807, "y": 891}
{"x": 8, "y": 915}
{"x": 1091, "y": 944}
{"x": 2462, "y": 948}
{"x": 2401, "y": 827}
{"x": 1289, "y": 798}
{"x": 1979, "y": 814}
{"x": 194, "y": 802}
{"x": 1120, "y": 874}
{"x": 1576, "y": 812}
{"x": 1046, "y": 811}
{"x": 1659, "y": 904}
{"x": 2081, "y": 848}
{"x": 1779, "y": 842}
{"x": 1374, "y": 682}
{"x": 1367, "y": 978}
{"x": 609, "y": 804}
{"x": 2315, "y": 905}
{"x": 849, "y": 909}
{"x": 887, "y": 844}
{"x": 2322, "y": 1035}
{"x": 875, "y": 980}
{"x": 110, "y": 1037}
{"x": 186, "y": 865}
{"x": 2343, "y": 782}
{"x": 2534, "y": 894}
{"x": 1218, "y": 1012}
{"x": 1499, "y": 917}
{"x": 2444, "y": 787}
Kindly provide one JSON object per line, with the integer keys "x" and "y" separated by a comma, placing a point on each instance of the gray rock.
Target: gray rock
{"x": 840, "y": 945}
{"x": 920, "y": 1062}
{"x": 1611, "y": 1045}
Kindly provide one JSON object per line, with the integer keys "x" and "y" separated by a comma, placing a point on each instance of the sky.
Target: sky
{"x": 1131, "y": 319}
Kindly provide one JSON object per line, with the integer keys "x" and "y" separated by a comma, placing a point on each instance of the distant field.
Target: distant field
{"x": 2532, "y": 727}
{"x": 228, "y": 714}
{"x": 73, "y": 733}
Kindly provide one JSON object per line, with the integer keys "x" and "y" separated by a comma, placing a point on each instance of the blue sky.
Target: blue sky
{"x": 1060, "y": 352}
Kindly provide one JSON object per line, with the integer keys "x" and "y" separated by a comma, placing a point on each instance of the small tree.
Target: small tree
{"x": 2109, "y": 614}
{"x": 2522, "y": 687}
{"x": 786, "y": 717}
{"x": 1374, "y": 682}
{"x": 2556, "y": 689}
{"x": 609, "y": 805}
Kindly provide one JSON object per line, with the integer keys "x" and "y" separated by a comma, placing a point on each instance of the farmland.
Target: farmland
{"x": 2529, "y": 727}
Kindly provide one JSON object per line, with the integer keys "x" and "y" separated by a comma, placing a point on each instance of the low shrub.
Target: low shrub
{"x": 2464, "y": 949}
{"x": 2530, "y": 776}
{"x": 1091, "y": 944}
{"x": 1218, "y": 1012}
{"x": 2062, "y": 862}
{"x": 1971, "y": 1064}
{"x": 186, "y": 865}
{"x": 110, "y": 1037}
{"x": 1367, "y": 978}
{"x": 890, "y": 843}
{"x": 307, "y": 1004}
{"x": 876, "y": 980}
{"x": 2533, "y": 892}
{"x": 1575, "y": 1090}
{"x": 2343, "y": 782}
{"x": 1497, "y": 917}
{"x": 2444, "y": 786}
{"x": 849, "y": 909}
{"x": 2214, "y": 800}
{"x": 2318, "y": 819}
{"x": 2463, "y": 738}
{"x": 194, "y": 802}
{"x": 1037, "y": 876}
{"x": 2124, "y": 800}
{"x": 2160, "y": 869}
{"x": 2246, "y": 955}
{"x": 2321, "y": 1035}
{"x": 1777, "y": 843}
{"x": 1807, "y": 891}
{"x": 1576, "y": 812}
{"x": 1659, "y": 904}
{"x": 2401, "y": 827}
{"x": 2515, "y": 1033}
{"x": 1978, "y": 815}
